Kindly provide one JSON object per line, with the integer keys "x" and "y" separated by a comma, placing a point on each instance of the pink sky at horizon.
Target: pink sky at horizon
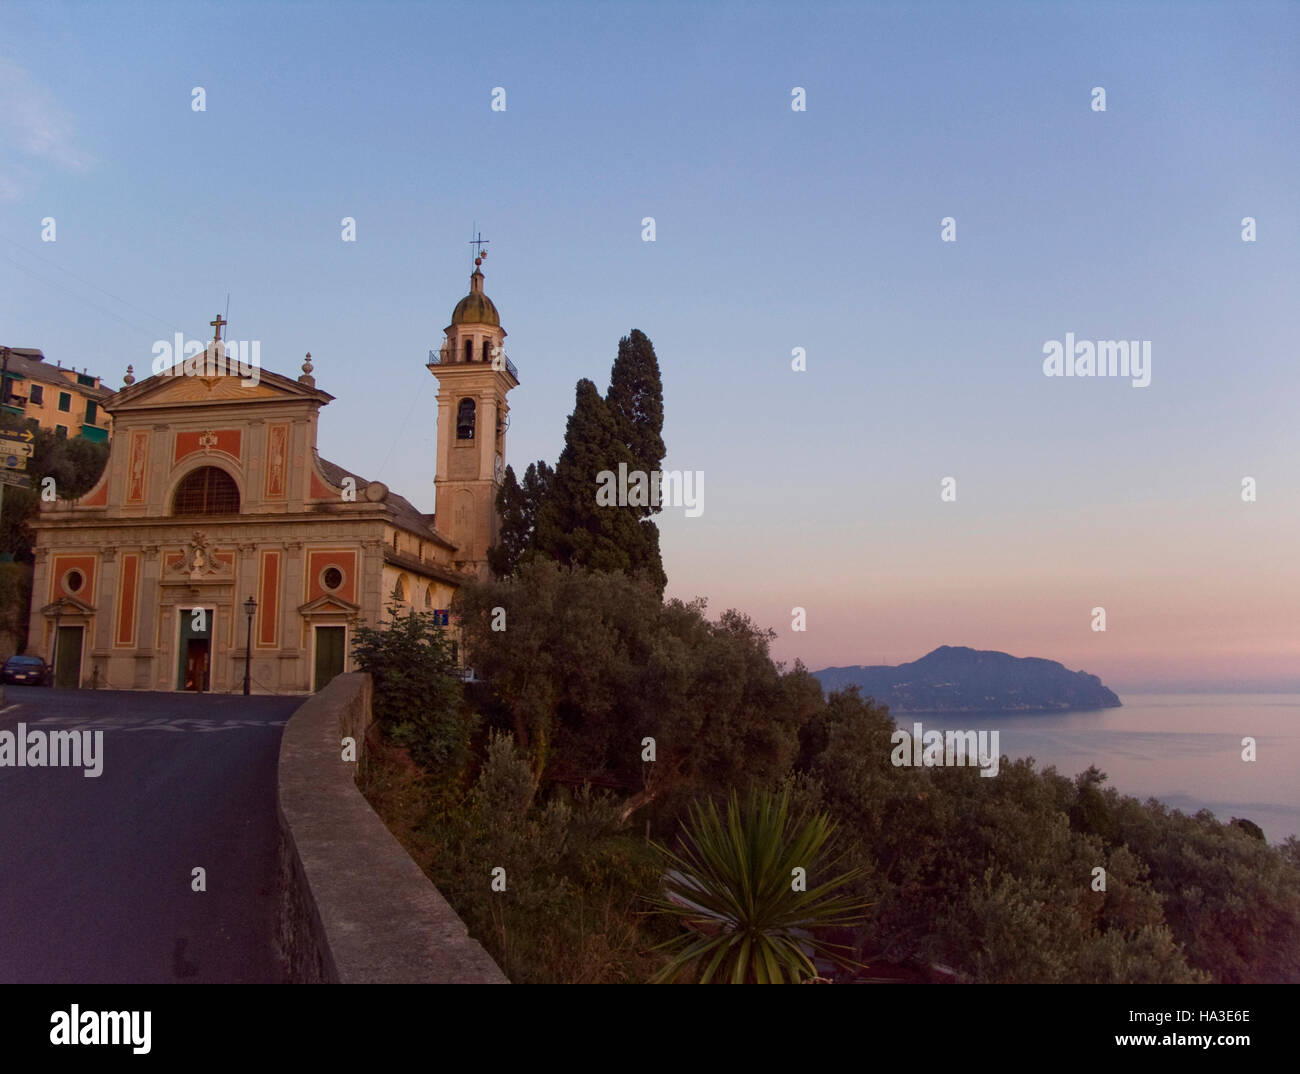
{"x": 1217, "y": 612}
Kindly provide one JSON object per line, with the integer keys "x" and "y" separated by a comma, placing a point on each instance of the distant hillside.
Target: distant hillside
{"x": 958, "y": 679}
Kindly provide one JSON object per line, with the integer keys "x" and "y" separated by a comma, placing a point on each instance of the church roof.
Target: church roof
{"x": 172, "y": 389}
{"x": 405, "y": 513}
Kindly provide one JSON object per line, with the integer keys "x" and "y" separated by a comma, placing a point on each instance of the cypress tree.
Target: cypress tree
{"x": 557, "y": 515}
{"x": 571, "y": 527}
{"x": 518, "y": 505}
{"x": 636, "y": 400}
{"x": 503, "y": 556}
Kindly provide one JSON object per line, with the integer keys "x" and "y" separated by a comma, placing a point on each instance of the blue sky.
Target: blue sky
{"x": 775, "y": 229}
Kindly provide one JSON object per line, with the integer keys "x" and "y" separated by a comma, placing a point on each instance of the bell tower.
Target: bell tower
{"x": 474, "y": 376}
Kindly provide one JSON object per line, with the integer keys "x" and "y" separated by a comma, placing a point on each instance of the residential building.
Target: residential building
{"x": 63, "y": 400}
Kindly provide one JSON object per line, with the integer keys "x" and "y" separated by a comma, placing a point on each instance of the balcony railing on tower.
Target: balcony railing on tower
{"x": 435, "y": 358}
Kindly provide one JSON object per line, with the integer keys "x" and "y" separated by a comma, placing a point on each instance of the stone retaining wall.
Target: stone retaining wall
{"x": 353, "y": 906}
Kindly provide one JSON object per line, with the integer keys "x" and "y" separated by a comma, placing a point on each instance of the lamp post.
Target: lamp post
{"x": 250, "y": 606}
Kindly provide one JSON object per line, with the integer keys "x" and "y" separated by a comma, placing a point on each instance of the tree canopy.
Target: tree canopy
{"x": 556, "y": 514}
{"x": 75, "y": 465}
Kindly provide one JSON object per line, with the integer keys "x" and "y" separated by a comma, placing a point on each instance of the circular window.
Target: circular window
{"x": 73, "y": 581}
{"x": 332, "y": 578}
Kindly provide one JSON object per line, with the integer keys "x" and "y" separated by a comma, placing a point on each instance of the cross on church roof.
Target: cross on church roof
{"x": 218, "y": 324}
{"x": 478, "y": 243}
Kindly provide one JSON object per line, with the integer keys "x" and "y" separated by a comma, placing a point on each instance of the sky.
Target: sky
{"x": 775, "y": 229}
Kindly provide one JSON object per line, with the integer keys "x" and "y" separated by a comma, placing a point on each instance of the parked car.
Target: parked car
{"x": 27, "y": 671}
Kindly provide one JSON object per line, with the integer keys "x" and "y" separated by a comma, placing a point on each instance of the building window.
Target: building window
{"x": 92, "y": 411}
{"x": 465, "y": 420}
{"x": 428, "y": 596}
{"x": 394, "y": 540}
{"x": 331, "y": 578}
{"x": 206, "y": 491}
{"x": 88, "y": 381}
{"x": 65, "y": 401}
{"x": 61, "y": 431}
{"x": 73, "y": 581}
{"x": 487, "y": 351}
{"x": 37, "y": 395}
{"x": 469, "y": 350}
{"x": 399, "y": 590}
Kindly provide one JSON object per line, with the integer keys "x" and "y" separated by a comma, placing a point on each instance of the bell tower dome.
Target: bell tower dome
{"x": 474, "y": 376}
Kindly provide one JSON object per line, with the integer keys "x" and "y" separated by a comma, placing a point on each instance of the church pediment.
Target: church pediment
{"x": 329, "y": 604}
{"x": 65, "y": 607}
{"x": 175, "y": 388}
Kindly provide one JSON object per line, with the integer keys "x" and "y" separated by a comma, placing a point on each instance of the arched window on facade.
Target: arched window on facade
{"x": 399, "y": 589}
{"x": 487, "y": 351}
{"x": 465, "y": 420}
{"x": 206, "y": 491}
{"x": 469, "y": 350}
{"x": 428, "y": 596}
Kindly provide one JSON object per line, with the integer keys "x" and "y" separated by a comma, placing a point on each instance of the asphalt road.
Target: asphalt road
{"x": 95, "y": 873}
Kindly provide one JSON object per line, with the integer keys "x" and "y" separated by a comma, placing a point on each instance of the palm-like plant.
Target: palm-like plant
{"x": 733, "y": 885}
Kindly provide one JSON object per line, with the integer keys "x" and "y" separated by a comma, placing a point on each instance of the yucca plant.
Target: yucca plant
{"x": 733, "y": 887}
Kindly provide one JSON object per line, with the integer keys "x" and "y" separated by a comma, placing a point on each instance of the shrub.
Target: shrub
{"x": 733, "y": 885}
{"x": 418, "y": 700}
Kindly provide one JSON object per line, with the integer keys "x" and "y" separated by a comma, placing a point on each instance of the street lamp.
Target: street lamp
{"x": 250, "y": 606}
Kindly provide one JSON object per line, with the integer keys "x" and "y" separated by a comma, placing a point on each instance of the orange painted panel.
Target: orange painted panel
{"x": 320, "y": 490}
{"x": 319, "y": 560}
{"x": 98, "y": 498}
{"x": 128, "y": 586}
{"x": 268, "y": 607}
{"x": 229, "y": 441}
{"x": 59, "y": 568}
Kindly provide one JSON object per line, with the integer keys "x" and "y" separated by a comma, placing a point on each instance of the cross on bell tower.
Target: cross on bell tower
{"x": 478, "y": 243}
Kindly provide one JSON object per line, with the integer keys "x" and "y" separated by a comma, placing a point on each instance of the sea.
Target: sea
{"x": 1183, "y": 749}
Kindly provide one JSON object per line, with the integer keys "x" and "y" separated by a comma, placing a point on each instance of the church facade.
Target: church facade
{"x": 218, "y": 540}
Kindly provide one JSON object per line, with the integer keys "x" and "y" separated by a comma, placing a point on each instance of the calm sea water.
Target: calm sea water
{"x": 1184, "y": 749}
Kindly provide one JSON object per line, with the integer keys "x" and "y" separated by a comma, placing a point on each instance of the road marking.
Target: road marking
{"x": 181, "y": 724}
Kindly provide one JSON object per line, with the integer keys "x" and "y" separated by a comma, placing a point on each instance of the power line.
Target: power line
{"x": 80, "y": 298}
{"x": 83, "y": 280}
{"x": 416, "y": 399}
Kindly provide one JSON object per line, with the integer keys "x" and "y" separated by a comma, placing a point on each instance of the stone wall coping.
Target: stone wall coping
{"x": 361, "y": 909}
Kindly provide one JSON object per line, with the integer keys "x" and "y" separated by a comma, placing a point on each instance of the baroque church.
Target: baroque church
{"x": 217, "y": 530}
